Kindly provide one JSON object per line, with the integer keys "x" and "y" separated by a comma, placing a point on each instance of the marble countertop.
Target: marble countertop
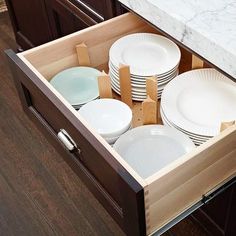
{"x": 207, "y": 27}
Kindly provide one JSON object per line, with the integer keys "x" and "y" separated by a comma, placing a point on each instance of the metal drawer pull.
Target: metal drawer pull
{"x": 66, "y": 140}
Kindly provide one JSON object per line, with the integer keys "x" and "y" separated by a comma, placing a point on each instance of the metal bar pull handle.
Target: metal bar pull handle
{"x": 68, "y": 142}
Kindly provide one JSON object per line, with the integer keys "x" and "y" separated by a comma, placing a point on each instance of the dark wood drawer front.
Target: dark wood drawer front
{"x": 117, "y": 190}
{"x": 104, "y": 8}
{"x": 66, "y": 18}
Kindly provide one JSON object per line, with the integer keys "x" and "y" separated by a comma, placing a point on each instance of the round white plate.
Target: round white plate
{"x": 197, "y": 140}
{"x": 137, "y": 77}
{"x": 199, "y": 100}
{"x": 78, "y": 85}
{"x": 137, "y": 94}
{"x": 149, "y": 148}
{"x": 142, "y": 83}
{"x": 135, "y": 97}
{"x": 147, "y": 54}
{"x": 195, "y": 136}
{"x": 134, "y": 87}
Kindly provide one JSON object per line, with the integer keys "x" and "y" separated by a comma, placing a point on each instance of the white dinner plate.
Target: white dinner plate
{"x": 199, "y": 100}
{"x": 134, "y": 87}
{"x": 138, "y": 77}
{"x": 195, "y": 136}
{"x": 147, "y": 149}
{"x": 142, "y": 83}
{"x": 147, "y": 54}
{"x": 135, "y": 96}
{"x": 195, "y": 139}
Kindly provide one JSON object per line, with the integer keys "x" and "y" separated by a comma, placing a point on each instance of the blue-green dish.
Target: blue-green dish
{"x": 78, "y": 85}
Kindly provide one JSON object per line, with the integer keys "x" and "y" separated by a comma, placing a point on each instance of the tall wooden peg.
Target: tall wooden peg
{"x": 151, "y": 88}
{"x": 149, "y": 108}
{"x": 83, "y": 55}
{"x": 197, "y": 63}
{"x": 152, "y": 92}
{"x": 104, "y": 85}
{"x": 225, "y": 125}
{"x": 125, "y": 85}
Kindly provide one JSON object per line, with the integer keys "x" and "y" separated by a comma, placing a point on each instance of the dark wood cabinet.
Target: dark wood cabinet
{"x": 218, "y": 217}
{"x": 30, "y": 22}
{"x": 44, "y": 20}
{"x": 66, "y": 18}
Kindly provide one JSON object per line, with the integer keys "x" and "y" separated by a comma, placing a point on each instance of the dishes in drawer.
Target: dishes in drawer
{"x": 78, "y": 85}
{"x": 147, "y": 55}
{"x": 140, "y": 206}
{"x": 109, "y": 117}
{"x": 150, "y": 148}
{"x": 197, "y": 101}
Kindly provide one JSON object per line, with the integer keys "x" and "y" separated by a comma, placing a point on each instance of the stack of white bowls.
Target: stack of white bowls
{"x": 109, "y": 117}
{"x": 197, "y": 101}
{"x": 147, "y": 55}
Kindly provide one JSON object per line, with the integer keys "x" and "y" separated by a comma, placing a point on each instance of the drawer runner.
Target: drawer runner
{"x": 205, "y": 199}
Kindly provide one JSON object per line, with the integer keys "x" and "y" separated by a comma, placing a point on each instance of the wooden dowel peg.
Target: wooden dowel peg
{"x": 152, "y": 92}
{"x": 104, "y": 85}
{"x": 83, "y": 55}
{"x": 152, "y": 88}
{"x": 197, "y": 63}
{"x": 149, "y": 108}
{"x": 125, "y": 85}
{"x": 225, "y": 125}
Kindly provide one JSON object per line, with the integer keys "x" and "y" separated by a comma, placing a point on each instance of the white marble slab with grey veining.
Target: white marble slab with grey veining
{"x": 208, "y": 27}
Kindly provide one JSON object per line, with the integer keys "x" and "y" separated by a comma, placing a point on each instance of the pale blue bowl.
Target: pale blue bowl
{"x": 78, "y": 85}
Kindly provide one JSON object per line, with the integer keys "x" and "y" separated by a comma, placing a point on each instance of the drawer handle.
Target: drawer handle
{"x": 68, "y": 142}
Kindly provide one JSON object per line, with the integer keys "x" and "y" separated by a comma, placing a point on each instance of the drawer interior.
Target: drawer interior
{"x": 180, "y": 184}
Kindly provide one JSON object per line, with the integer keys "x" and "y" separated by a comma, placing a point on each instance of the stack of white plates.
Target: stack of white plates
{"x": 147, "y": 55}
{"x": 147, "y": 149}
{"x": 196, "y": 102}
{"x": 109, "y": 117}
{"x": 78, "y": 85}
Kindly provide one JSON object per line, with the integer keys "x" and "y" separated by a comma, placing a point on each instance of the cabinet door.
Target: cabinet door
{"x": 30, "y": 22}
{"x": 218, "y": 216}
{"x": 66, "y": 18}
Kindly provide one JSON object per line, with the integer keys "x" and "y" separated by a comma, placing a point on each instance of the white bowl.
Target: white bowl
{"x": 109, "y": 117}
{"x": 112, "y": 140}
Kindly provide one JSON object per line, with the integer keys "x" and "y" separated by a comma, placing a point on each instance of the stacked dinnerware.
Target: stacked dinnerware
{"x": 196, "y": 102}
{"x": 78, "y": 85}
{"x": 148, "y": 149}
{"x": 109, "y": 117}
{"x": 147, "y": 55}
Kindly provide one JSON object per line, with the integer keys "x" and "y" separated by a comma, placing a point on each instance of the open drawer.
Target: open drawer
{"x": 140, "y": 206}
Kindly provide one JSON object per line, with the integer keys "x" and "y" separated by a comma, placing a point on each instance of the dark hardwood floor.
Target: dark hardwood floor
{"x": 39, "y": 193}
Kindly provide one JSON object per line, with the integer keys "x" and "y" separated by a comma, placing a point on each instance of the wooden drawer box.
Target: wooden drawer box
{"x": 140, "y": 206}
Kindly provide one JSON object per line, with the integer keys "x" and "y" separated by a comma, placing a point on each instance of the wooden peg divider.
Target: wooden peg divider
{"x": 225, "y": 125}
{"x": 197, "y": 63}
{"x": 152, "y": 92}
{"x": 83, "y": 55}
{"x": 104, "y": 85}
{"x": 151, "y": 88}
{"x": 125, "y": 85}
{"x": 149, "y": 108}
